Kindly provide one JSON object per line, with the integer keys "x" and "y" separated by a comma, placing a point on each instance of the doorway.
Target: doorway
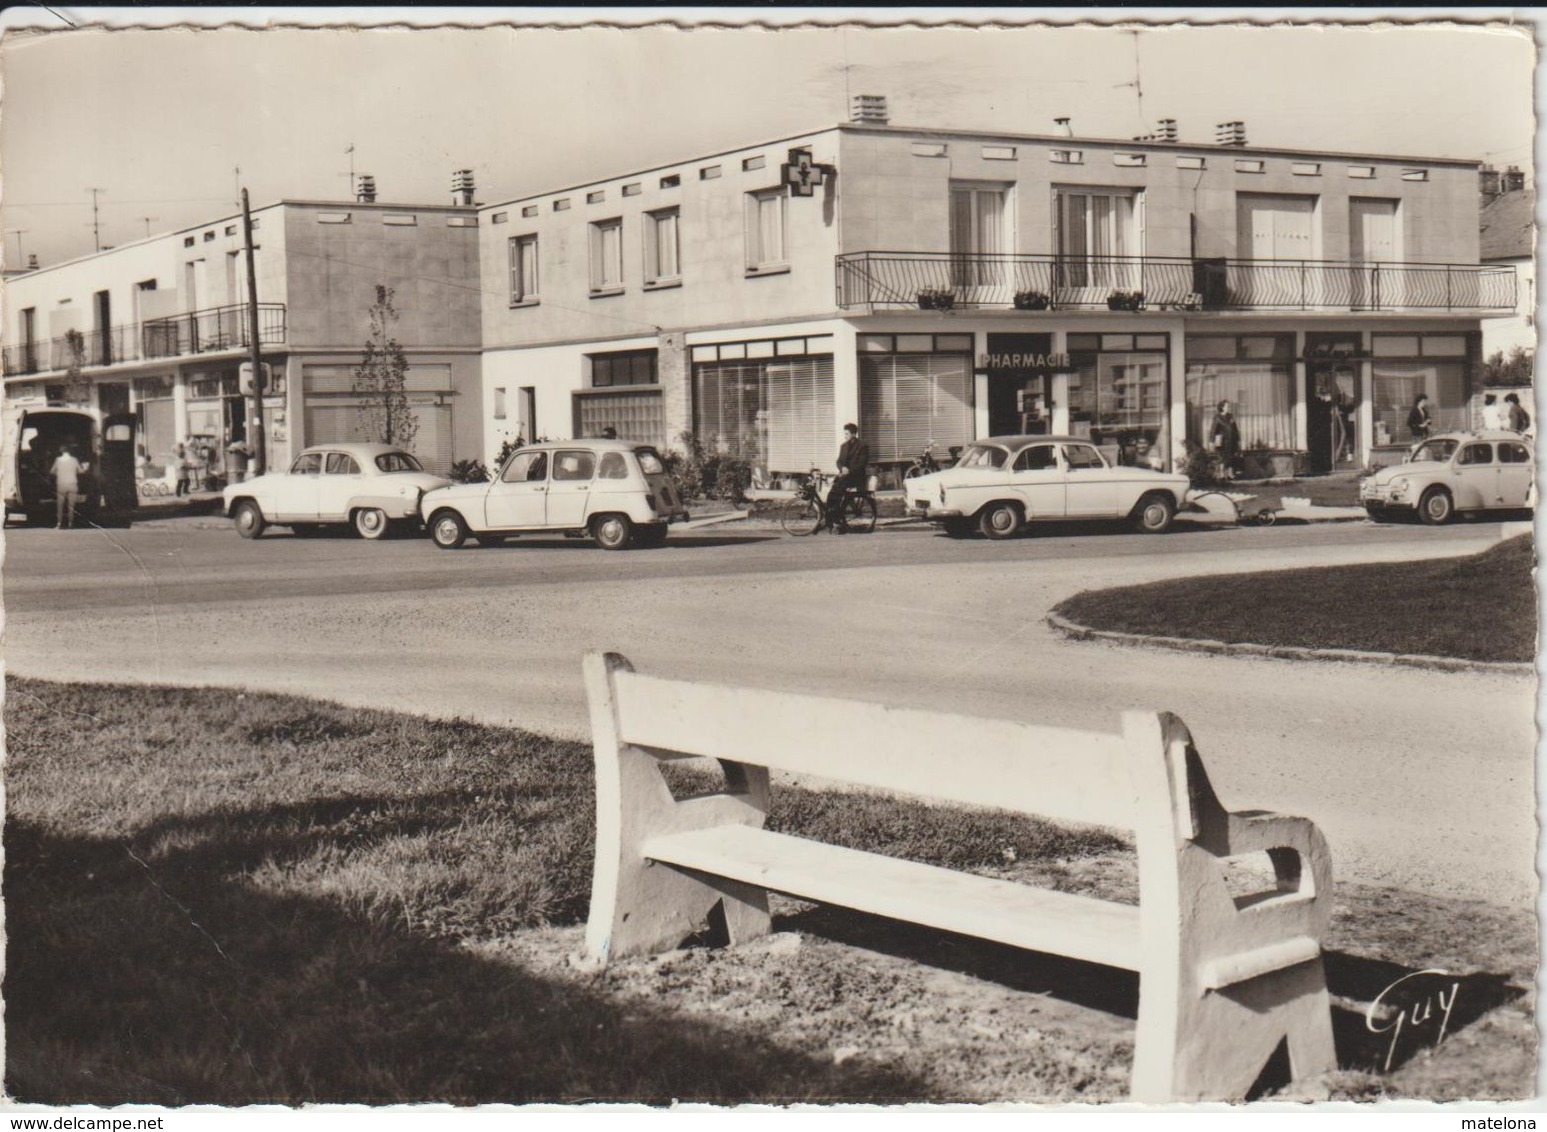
{"x": 1331, "y": 429}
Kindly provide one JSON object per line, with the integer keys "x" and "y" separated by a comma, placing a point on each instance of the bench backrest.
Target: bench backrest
{"x": 1059, "y": 773}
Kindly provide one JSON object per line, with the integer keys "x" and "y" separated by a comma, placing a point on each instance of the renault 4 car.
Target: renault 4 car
{"x": 616, "y": 491}
{"x": 1455, "y": 473}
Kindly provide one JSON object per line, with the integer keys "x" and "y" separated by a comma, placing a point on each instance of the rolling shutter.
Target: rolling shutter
{"x": 908, "y": 401}
{"x": 777, "y": 414}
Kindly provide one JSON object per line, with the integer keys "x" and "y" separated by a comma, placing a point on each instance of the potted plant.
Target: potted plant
{"x": 1032, "y": 301}
{"x": 1125, "y": 301}
{"x": 936, "y": 299}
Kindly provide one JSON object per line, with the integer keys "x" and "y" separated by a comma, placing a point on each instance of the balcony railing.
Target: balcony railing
{"x": 910, "y": 279}
{"x": 199, "y": 332}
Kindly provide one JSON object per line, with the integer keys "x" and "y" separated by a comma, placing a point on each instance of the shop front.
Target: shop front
{"x": 1021, "y": 375}
{"x": 767, "y": 402}
{"x": 1119, "y": 395}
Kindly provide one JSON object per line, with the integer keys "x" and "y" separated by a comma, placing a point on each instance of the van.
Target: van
{"x": 105, "y": 444}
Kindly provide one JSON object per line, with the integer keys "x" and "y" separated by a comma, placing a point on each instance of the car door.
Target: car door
{"x": 569, "y": 487}
{"x": 1090, "y": 491}
{"x": 295, "y": 493}
{"x": 1040, "y": 481}
{"x": 341, "y": 481}
{"x": 1517, "y": 472}
{"x": 1475, "y": 477}
{"x": 519, "y": 498}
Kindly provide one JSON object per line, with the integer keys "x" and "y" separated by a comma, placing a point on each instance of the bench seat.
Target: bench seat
{"x": 1060, "y": 923}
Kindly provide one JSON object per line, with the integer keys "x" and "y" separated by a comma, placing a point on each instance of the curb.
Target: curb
{"x": 1077, "y": 632}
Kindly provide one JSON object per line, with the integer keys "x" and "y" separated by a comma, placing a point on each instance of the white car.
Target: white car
{"x": 1452, "y": 473}
{"x": 1002, "y": 484}
{"x": 372, "y": 487}
{"x": 616, "y": 491}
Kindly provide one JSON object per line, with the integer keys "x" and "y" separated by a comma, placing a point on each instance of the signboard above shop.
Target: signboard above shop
{"x": 1022, "y": 355}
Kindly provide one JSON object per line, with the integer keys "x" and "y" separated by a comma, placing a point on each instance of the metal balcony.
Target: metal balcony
{"x": 199, "y": 332}
{"x": 1005, "y": 281}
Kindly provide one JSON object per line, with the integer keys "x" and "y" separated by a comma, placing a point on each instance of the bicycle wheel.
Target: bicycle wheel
{"x": 859, "y": 514}
{"x": 801, "y": 516}
{"x": 914, "y": 472}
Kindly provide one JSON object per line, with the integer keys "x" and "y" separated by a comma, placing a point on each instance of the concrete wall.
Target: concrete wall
{"x": 1504, "y": 334}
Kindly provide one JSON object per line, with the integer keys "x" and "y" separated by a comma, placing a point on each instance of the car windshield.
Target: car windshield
{"x": 397, "y": 462}
{"x": 982, "y": 456}
{"x": 1436, "y": 450}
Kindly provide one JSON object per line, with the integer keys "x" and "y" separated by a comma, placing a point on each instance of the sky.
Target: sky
{"x": 160, "y": 118}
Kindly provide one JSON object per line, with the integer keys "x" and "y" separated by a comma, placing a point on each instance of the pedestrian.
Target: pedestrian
{"x": 1518, "y": 420}
{"x": 1418, "y": 418}
{"x": 182, "y": 466}
{"x": 853, "y": 468}
{"x": 609, "y": 433}
{"x": 1493, "y": 416}
{"x": 1225, "y": 439}
{"x": 67, "y": 487}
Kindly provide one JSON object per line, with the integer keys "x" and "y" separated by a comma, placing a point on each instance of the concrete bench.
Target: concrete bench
{"x": 1223, "y": 979}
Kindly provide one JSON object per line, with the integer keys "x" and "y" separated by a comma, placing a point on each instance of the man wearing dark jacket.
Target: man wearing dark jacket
{"x": 853, "y": 474}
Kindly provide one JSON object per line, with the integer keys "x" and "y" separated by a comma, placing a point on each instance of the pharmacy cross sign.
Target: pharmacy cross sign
{"x": 802, "y": 174}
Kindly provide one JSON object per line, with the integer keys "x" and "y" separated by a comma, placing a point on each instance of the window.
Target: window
{"x": 1098, "y": 233}
{"x": 709, "y": 173}
{"x": 1129, "y": 160}
{"x": 1250, "y": 165}
{"x": 596, "y": 197}
{"x": 751, "y": 163}
{"x": 342, "y": 464}
{"x": 614, "y": 467}
{"x": 1476, "y": 454}
{"x": 1118, "y": 398}
{"x": 978, "y": 231}
{"x": 662, "y": 247}
{"x": 573, "y": 466}
{"x": 1255, "y": 373}
{"x": 1066, "y": 156}
{"x": 499, "y": 218}
{"x": 1415, "y": 174}
{"x": 307, "y": 464}
{"x": 632, "y": 367}
{"x": 910, "y": 401}
{"x": 632, "y": 189}
{"x": 929, "y": 149}
{"x": 633, "y": 413}
{"x": 1038, "y": 458}
{"x": 397, "y": 462}
{"x": 775, "y": 413}
{"x": 671, "y": 180}
{"x": 529, "y": 211}
{"x": 526, "y": 467}
{"x": 998, "y": 153}
{"x": 1191, "y": 163}
{"x": 499, "y": 403}
{"x": 765, "y": 229}
{"x": 1306, "y": 168}
{"x": 1273, "y": 226}
{"x": 982, "y": 456}
{"x": 607, "y": 255}
{"x": 523, "y": 269}
{"x": 1512, "y": 453}
{"x": 1079, "y": 456}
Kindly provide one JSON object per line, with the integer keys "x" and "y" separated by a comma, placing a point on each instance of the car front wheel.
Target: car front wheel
{"x": 371, "y": 523}
{"x": 447, "y": 530}
{"x": 1000, "y": 520}
{"x": 248, "y": 519}
{"x": 613, "y": 532}
{"x": 1436, "y": 508}
{"x": 1154, "y": 514}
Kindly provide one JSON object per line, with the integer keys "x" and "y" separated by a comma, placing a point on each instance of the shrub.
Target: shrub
{"x": 469, "y": 471}
{"x": 705, "y": 474}
{"x": 1202, "y": 468}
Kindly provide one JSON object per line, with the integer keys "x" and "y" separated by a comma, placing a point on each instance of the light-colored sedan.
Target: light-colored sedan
{"x": 1003, "y": 483}
{"x": 1453, "y": 473}
{"x": 372, "y": 487}
{"x": 616, "y": 491}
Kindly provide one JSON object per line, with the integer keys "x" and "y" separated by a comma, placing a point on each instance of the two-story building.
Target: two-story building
{"x": 938, "y": 285}
{"x": 164, "y": 326}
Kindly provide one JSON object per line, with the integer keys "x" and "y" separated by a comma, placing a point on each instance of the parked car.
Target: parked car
{"x": 616, "y": 491}
{"x": 1003, "y": 483}
{"x": 1452, "y": 473}
{"x": 372, "y": 487}
{"x": 104, "y": 444}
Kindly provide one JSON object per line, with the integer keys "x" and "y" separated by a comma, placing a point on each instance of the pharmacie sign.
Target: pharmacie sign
{"x": 1022, "y": 355}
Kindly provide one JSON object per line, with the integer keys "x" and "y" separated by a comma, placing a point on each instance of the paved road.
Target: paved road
{"x": 1420, "y": 779}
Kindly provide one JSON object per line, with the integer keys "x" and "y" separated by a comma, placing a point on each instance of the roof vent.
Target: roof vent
{"x": 1063, "y": 127}
{"x": 869, "y": 109}
{"x": 1489, "y": 181}
{"x": 462, "y": 187}
{"x": 1514, "y": 179}
{"x": 365, "y": 189}
{"x": 32, "y": 261}
{"x": 1230, "y": 133}
{"x": 1165, "y": 130}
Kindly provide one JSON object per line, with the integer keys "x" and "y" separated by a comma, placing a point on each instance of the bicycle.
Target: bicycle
{"x": 807, "y": 512}
{"x": 923, "y": 464}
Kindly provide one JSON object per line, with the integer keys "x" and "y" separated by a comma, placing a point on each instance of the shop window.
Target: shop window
{"x": 776, "y": 414}
{"x": 1119, "y": 401}
{"x": 910, "y": 402}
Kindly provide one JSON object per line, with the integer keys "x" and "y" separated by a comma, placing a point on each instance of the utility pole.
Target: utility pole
{"x": 20, "y": 232}
{"x": 351, "y": 174}
{"x": 147, "y": 220}
{"x": 256, "y": 438}
{"x": 96, "y": 230}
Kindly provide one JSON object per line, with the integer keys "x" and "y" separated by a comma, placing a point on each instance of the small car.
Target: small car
{"x": 616, "y": 491}
{"x": 372, "y": 487}
{"x": 1455, "y": 472}
{"x": 1001, "y": 484}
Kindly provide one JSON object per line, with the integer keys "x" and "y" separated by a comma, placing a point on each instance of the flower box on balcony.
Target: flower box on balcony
{"x": 936, "y": 300}
{"x": 1032, "y": 301}
{"x": 1125, "y": 301}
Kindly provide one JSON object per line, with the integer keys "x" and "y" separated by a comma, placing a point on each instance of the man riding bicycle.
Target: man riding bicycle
{"x": 853, "y": 467}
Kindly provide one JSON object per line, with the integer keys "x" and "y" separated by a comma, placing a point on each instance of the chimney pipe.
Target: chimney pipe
{"x": 365, "y": 188}
{"x": 1490, "y": 183}
{"x": 1166, "y": 130}
{"x": 869, "y": 109}
{"x": 1230, "y": 133}
{"x": 32, "y": 261}
{"x": 462, "y": 187}
{"x": 1064, "y": 129}
{"x": 1514, "y": 179}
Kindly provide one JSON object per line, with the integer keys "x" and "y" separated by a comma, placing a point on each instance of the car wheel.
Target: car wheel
{"x": 1000, "y": 520}
{"x": 613, "y": 532}
{"x": 447, "y": 530}
{"x": 248, "y": 519}
{"x": 1154, "y": 514}
{"x": 1436, "y": 507}
{"x": 371, "y": 523}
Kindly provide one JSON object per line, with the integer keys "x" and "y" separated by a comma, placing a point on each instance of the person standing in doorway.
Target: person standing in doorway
{"x": 853, "y": 467}
{"x": 1225, "y": 439}
{"x": 180, "y": 465}
{"x": 1418, "y": 418}
{"x": 67, "y": 487}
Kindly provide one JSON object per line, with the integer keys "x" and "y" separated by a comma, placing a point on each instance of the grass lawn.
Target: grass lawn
{"x": 1481, "y": 607}
{"x": 226, "y": 898}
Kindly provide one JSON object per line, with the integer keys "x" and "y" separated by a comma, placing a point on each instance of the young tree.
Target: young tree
{"x": 380, "y": 380}
{"x": 77, "y": 387}
{"x": 1517, "y": 369}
